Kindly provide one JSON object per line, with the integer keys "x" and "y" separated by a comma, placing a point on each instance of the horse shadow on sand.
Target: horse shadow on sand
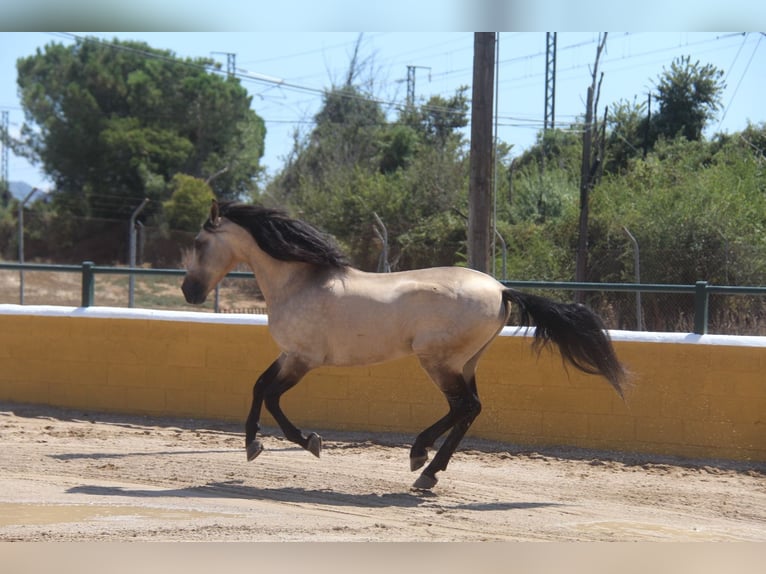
{"x": 237, "y": 489}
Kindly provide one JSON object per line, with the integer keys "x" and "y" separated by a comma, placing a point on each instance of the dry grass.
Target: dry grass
{"x": 241, "y": 296}
{"x": 59, "y": 288}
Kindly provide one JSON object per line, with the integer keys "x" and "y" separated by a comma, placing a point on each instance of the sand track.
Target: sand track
{"x": 67, "y": 475}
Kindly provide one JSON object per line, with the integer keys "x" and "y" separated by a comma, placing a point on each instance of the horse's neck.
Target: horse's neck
{"x": 276, "y": 279}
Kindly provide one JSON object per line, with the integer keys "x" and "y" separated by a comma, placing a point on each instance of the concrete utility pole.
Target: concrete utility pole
{"x": 479, "y": 189}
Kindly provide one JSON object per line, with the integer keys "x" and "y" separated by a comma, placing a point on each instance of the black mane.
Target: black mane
{"x": 283, "y": 237}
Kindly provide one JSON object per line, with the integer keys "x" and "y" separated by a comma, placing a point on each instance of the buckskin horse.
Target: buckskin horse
{"x": 323, "y": 311}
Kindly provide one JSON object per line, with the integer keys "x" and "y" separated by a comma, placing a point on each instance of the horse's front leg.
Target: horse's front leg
{"x": 282, "y": 375}
{"x": 253, "y": 445}
{"x": 293, "y": 369}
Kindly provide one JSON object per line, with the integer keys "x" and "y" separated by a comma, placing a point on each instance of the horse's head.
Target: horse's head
{"x": 215, "y": 253}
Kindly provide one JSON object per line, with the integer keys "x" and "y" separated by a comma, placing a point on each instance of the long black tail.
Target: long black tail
{"x": 577, "y": 331}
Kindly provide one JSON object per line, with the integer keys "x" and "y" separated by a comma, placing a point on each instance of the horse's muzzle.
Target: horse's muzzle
{"x": 194, "y": 292}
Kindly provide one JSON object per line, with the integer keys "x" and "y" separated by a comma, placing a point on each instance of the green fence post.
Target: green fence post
{"x": 700, "y": 307}
{"x": 88, "y": 283}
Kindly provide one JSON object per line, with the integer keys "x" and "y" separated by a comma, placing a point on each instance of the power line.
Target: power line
{"x": 261, "y": 78}
{"x": 607, "y": 61}
{"x": 736, "y": 56}
{"x": 275, "y": 83}
{"x": 523, "y": 58}
{"x": 723, "y": 117}
{"x": 305, "y": 52}
{"x": 280, "y": 83}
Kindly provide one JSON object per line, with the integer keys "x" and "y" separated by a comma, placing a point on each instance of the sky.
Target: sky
{"x": 287, "y": 72}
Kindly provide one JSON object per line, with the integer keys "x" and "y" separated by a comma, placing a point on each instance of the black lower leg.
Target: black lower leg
{"x": 468, "y": 410}
{"x": 252, "y": 427}
{"x": 291, "y": 432}
{"x": 427, "y": 438}
{"x": 312, "y": 442}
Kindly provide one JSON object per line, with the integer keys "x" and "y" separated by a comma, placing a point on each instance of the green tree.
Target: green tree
{"x": 398, "y": 146}
{"x": 345, "y": 136}
{"x": 697, "y": 213}
{"x": 345, "y": 130}
{"x": 189, "y": 204}
{"x": 545, "y": 177}
{"x": 689, "y": 95}
{"x": 754, "y": 138}
{"x": 627, "y": 135}
{"x": 410, "y": 172}
{"x": 112, "y": 123}
{"x": 439, "y": 120}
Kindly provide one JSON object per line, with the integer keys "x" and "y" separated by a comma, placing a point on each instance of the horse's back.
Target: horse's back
{"x": 449, "y": 310}
{"x": 432, "y": 289}
{"x": 359, "y": 318}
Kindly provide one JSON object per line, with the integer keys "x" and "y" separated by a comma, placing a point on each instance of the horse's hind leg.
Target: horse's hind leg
{"x": 426, "y": 439}
{"x": 464, "y": 408}
{"x": 468, "y": 408}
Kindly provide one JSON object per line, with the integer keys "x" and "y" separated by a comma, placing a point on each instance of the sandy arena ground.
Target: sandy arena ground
{"x": 68, "y": 475}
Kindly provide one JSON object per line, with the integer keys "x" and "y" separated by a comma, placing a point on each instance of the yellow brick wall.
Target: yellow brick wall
{"x": 688, "y": 398}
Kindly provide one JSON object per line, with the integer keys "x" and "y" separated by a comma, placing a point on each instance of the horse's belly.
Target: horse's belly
{"x": 340, "y": 343}
{"x": 360, "y": 348}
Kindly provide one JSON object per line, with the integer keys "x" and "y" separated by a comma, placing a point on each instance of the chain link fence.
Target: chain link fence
{"x": 107, "y": 243}
{"x": 620, "y": 307}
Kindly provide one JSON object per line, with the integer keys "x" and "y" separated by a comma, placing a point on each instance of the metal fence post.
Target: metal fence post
{"x": 637, "y": 270}
{"x": 700, "y": 307}
{"x": 21, "y": 243}
{"x": 132, "y": 251}
{"x": 88, "y": 283}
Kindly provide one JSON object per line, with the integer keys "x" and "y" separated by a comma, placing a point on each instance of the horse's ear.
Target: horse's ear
{"x": 215, "y": 215}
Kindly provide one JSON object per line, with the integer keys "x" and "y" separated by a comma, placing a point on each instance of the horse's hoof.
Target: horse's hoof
{"x": 314, "y": 445}
{"x": 253, "y": 449}
{"x": 417, "y": 461}
{"x": 425, "y": 482}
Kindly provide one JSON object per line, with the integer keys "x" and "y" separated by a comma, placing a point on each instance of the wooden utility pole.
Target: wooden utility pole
{"x": 588, "y": 170}
{"x": 479, "y": 187}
